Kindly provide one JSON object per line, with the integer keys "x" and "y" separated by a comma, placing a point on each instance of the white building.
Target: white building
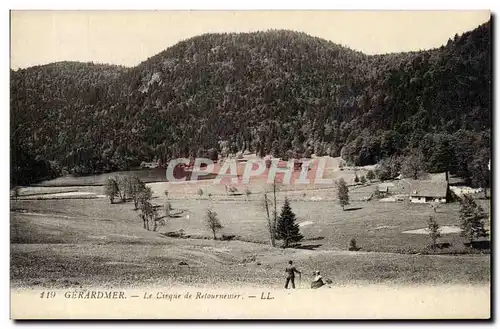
{"x": 422, "y": 191}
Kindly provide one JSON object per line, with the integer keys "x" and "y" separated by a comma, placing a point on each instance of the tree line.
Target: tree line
{"x": 275, "y": 92}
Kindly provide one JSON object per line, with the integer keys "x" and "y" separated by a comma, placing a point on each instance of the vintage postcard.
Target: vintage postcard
{"x": 250, "y": 164}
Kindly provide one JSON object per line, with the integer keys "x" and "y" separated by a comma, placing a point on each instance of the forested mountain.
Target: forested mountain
{"x": 278, "y": 92}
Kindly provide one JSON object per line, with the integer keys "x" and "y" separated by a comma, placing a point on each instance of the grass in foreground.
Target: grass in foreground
{"x": 66, "y": 243}
{"x": 231, "y": 263}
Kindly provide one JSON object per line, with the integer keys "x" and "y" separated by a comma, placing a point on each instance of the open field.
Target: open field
{"x": 88, "y": 242}
{"x": 376, "y": 226}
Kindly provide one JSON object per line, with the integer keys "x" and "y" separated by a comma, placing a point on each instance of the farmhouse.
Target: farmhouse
{"x": 383, "y": 188}
{"x": 422, "y": 191}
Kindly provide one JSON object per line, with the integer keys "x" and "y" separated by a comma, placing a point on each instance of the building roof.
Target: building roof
{"x": 439, "y": 176}
{"x": 429, "y": 188}
{"x": 383, "y": 188}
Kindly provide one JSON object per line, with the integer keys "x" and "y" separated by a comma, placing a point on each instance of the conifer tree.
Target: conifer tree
{"x": 287, "y": 229}
{"x": 471, "y": 219}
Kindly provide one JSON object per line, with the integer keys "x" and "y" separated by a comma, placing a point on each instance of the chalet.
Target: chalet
{"x": 383, "y": 190}
{"x": 422, "y": 191}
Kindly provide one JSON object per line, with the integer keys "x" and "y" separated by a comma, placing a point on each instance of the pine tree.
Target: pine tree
{"x": 471, "y": 219}
{"x": 287, "y": 229}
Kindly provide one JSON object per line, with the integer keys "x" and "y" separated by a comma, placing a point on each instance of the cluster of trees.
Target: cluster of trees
{"x": 415, "y": 163}
{"x": 131, "y": 188}
{"x": 472, "y": 217}
{"x": 276, "y": 92}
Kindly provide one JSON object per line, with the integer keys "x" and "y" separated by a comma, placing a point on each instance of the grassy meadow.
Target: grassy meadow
{"x": 89, "y": 242}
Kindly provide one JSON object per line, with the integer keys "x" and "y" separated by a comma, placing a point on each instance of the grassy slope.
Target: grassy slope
{"x": 89, "y": 242}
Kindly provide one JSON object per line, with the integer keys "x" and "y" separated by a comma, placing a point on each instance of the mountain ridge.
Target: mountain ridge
{"x": 278, "y": 92}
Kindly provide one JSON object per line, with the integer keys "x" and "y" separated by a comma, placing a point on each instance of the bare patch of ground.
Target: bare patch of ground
{"x": 442, "y": 230}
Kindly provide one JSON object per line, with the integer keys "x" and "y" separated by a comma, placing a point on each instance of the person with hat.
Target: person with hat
{"x": 317, "y": 281}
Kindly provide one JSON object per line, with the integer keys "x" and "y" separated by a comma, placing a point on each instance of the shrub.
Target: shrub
{"x": 353, "y": 246}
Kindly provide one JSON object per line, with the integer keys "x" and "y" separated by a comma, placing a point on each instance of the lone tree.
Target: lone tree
{"x": 434, "y": 231}
{"x": 270, "y": 226}
{"x": 370, "y": 175}
{"x": 213, "y": 222}
{"x": 342, "y": 192}
{"x": 111, "y": 189}
{"x": 287, "y": 229}
{"x": 471, "y": 219}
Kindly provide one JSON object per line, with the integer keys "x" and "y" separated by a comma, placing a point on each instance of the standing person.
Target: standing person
{"x": 290, "y": 274}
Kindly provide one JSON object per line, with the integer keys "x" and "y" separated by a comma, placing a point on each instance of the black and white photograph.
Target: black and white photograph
{"x": 272, "y": 164}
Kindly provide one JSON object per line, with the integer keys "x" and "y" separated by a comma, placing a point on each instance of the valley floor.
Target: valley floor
{"x": 88, "y": 242}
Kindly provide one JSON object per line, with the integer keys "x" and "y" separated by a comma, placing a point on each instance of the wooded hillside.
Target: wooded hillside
{"x": 278, "y": 92}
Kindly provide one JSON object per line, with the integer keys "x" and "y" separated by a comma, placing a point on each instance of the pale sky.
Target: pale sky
{"x": 130, "y": 37}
